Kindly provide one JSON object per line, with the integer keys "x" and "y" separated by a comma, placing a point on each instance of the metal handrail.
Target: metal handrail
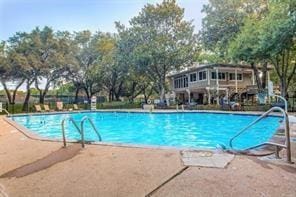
{"x": 63, "y": 130}
{"x": 287, "y": 133}
{"x": 285, "y": 101}
{"x": 93, "y": 126}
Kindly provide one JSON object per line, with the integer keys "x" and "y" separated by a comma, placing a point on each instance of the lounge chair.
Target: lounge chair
{"x": 37, "y": 108}
{"x": 46, "y": 108}
{"x": 75, "y": 107}
{"x": 60, "y": 106}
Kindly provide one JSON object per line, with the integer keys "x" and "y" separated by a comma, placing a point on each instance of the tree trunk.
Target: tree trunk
{"x": 110, "y": 95}
{"x": 42, "y": 93}
{"x": 41, "y": 98}
{"x": 28, "y": 94}
{"x": 256, "y": 73}
{"x": 162, "y": 90}
{"x": 87, "y": 94}
{"x": 264, "y": 75}
{"x": 147, "y": 95}
{"x": 76, "y": 95}
{"x": 8, "y": 95}
{"x": 11, "y": 99}
{"x": 118, "y": 92}
{"x": 283, "y": 87}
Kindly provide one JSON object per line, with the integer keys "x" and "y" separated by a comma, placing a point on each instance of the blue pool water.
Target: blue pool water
{"x": 181, "y": 130}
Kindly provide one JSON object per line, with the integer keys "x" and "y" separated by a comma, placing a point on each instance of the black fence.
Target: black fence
{"x": 68, "y": 102}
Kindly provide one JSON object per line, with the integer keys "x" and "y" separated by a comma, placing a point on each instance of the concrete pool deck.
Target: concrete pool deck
{"x": 101, "y": 170}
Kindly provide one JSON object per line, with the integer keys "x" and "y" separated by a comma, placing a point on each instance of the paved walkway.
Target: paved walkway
{"x": 120, "y": 171}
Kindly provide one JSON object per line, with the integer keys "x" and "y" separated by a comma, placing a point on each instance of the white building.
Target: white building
{"x": 207, "y": 83}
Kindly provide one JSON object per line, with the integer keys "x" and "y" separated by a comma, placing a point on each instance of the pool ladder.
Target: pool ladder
{"x": 287, "y": 144}
{"x": 79, "y": 129}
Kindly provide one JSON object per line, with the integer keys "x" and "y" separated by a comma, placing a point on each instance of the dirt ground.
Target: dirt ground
{"x": 120, "y": 171}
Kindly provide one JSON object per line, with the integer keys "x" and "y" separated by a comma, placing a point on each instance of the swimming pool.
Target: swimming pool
{"x": 180, "y": 130}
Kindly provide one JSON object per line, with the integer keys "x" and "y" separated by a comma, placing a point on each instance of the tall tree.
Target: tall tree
{"x": 136, "y": 80}
{"x": 21, "y": 58}
{"x": 270, "y": 39}
{"x": 223, "y": 21}
{"x": 86, "y": 71}
{"x": 245, "y": 48}
{"x": 114, "y": 70}
{"x": 164, "y": 41}
{"x": 52, "y": 50}
{"x": 9, "y": 72}
{"x": 278, "y": 39}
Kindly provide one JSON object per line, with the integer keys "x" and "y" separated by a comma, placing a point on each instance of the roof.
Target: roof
{"x": 196, "y": 67}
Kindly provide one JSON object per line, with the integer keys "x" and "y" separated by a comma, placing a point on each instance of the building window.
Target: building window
{"x": 232, "y": 76}
{"x": 214, "y": 75}
{"x": 202, "y": 75}
{"x": 221, "y": 75}
{"x": 240, "y": 77}
{"x": 181, "y": 82}
{"x": 192, "y": 77}
{"x": 185, "y": 81}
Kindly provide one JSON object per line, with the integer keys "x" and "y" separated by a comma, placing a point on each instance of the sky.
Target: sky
{"x": 76, "y": 15}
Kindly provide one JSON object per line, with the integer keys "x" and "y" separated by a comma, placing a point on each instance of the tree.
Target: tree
{"x": 114, "y": 70}
{"x": 278, "y": 39}
{"x": 245, "y": 48}
{"x": 53, "y": 54}
{"x": 85, "y": 72}
{"x": 136, "y": 80}
{"x": 9, "y": 72}
{"x": 224, "y": 20}
{"x": 22, "y": 61}
{"x": 164, "y": 41}
{"x": 269, "y": 39}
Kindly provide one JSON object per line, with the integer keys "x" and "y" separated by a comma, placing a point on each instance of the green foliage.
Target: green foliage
{"x": 163, "y": 41}
{"x": 256, "y": 32}
{"x": 224, "y": 20}
{"x": 270, "y": 38}
{"x": 118, "y": 105}
{"x": 136, "y": 60}
{"x": 85, "y": 72}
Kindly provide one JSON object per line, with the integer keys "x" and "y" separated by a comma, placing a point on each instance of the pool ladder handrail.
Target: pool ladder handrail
{"x": 287, "y": 144}
{"x": 80, "y": 130}
{"x": 63, "y": 130}
{"x": 93, "y": 126}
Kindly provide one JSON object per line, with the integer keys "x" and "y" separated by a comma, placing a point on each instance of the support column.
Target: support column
{"x": 209, "y": 82}
{"x": 209, "y": 96}
{"x": 253, "y": 78}
{"x": 217, "y": 84}
{"x": 189, "y": 99}
{"x": 268, "y": 79}
{"x": 235, "y": 80}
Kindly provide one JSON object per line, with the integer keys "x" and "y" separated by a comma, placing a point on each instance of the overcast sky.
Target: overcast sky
{"x": 75, "y": 15}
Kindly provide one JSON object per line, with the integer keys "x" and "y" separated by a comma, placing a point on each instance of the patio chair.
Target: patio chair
{"x": 37, "y": 108}
{"x": 75, "y": 107}
{"x": 46, "y": 108}
{"x": 60, "y": 106}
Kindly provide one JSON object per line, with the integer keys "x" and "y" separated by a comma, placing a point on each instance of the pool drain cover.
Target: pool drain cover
{"x": 205, "y": 158}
